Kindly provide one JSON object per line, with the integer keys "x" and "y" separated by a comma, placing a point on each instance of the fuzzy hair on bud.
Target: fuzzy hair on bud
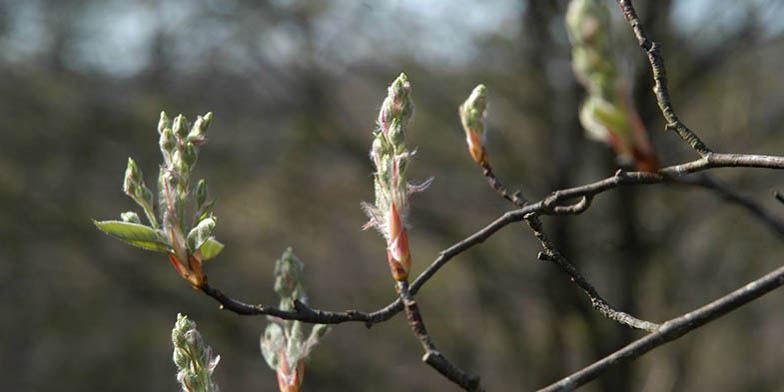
{"x": 391, "y": 159}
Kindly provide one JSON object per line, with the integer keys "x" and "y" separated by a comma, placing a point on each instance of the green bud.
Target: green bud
{"x": 189, "y": 155}
{"x": 400, "y": 93}
{"x": 132, "y": 173}
{"x": 199, "y": 129}
{"x": 167, "y": 141}
{"x": 180, "y": 357}
{"x": 146, "y": 195}
{"x": 287, "y": 271}
{"x": 201, "y": 193}
{"x": 397, "y": 133}
{"x": 163, "y": 122}
{"x": 130, "y": 217}
{"x": 193, "y": 357}
{"x": 180, "y": 126}
{"x": 473, "y": 110}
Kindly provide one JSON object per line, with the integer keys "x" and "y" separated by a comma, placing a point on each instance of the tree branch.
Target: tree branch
{"x": 598, "y": 303}
{"x": 545, "y": 206}
{"x": 730, "y": 195}
{"x": 674, "y": 329}
{"x": 660, "y": 80}
{"x": 552, "y": 254}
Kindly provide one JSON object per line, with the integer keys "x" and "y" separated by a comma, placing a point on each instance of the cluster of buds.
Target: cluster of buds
{"x": 472, "y": 115}
{"x": 390, "y": 158}
{"x": 283, "y": 343}
{"x": 194, "y": 359}
{"x": 187, "y": 240}
{"x": 607, "y": 115}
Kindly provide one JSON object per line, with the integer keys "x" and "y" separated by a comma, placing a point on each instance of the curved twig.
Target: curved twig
{"x": 660, "y": 80}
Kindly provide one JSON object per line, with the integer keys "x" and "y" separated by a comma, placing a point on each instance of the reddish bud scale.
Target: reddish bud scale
{"x": 398, "y": 255}
{"x": 290, "y": 381}
{"x": 193, "y": 274}
{"x": 475, "y": 147}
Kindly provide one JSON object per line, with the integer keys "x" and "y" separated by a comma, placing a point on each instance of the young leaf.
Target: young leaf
{"x": 201, "y": 233}
{"x": 210, "y": 248}
{"x": 134, "y": 234}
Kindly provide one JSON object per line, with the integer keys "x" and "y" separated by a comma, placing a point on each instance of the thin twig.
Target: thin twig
{"x": 673, "y": 329}
{"x": 552, "y": 254}
{"x": 732, "y": 196}
{"x": 301, "y": 312}
{"x": 432, "y": 356}
{"x": 660, "y": 80}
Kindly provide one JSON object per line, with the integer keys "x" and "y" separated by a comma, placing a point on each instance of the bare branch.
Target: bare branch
{"x": 552, "y": 254}
{"x": 660, "y": 80}
{"x": 542, "y": 207}
{"x": 673, "y": 329}
{"x": 301, "y": 312}
{"x": 732, "y": 196}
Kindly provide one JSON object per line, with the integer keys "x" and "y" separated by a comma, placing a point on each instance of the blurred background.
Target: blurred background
{"x": 295, "y": 87}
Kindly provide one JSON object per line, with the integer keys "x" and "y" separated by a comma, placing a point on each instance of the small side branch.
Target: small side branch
{"x": 660, "y": 80}
{"x": 432, "y": 356}
{"x": 732, "y": 196}
{"x": 301, "y": 312}
{"x": 552, "y": 254}
{"x": 674, "y": 329}
{"x": 598, "y": 303}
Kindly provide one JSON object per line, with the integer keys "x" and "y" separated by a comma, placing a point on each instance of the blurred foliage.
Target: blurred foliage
{"x": 295, "y": 87}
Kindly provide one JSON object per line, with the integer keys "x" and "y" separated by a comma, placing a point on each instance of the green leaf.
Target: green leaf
{"x": 134, "y": 234}
{"x": 210, "y": 248}
{"x": 200, "y": 233}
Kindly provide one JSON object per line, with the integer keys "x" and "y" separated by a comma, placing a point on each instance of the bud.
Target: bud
{"x": 199, "y": 129}
{"x": 180, "y": 357}
{"x": 287, "y": 274}
{"x": 390, "y": 157}
{"x": 607, "y": 114}
{"x": 167, "y": 142}
{"x": 130, "y": 217}
{"x": 398, "y": 254}
{"x": 180, "y": 126}
{"x": 472, "y": 115}
{"x": 396, "y": 110}
{"x": 164, "y": 122}
{"x": 133, "y": 175}
{"x": 193, "y": 358}
{"x": 290, "y": 379}
{"x": 189, "y": 156}
{"x": 201, "y": 193}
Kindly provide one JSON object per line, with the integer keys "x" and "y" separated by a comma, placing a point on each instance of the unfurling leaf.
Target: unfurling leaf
{"x": 135, "y": 234}
{"x": 210, "y": 248}
{"x": 200, "y": 233}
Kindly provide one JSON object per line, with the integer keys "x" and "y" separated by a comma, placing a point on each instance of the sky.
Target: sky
{"x": 112, "y": 37}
